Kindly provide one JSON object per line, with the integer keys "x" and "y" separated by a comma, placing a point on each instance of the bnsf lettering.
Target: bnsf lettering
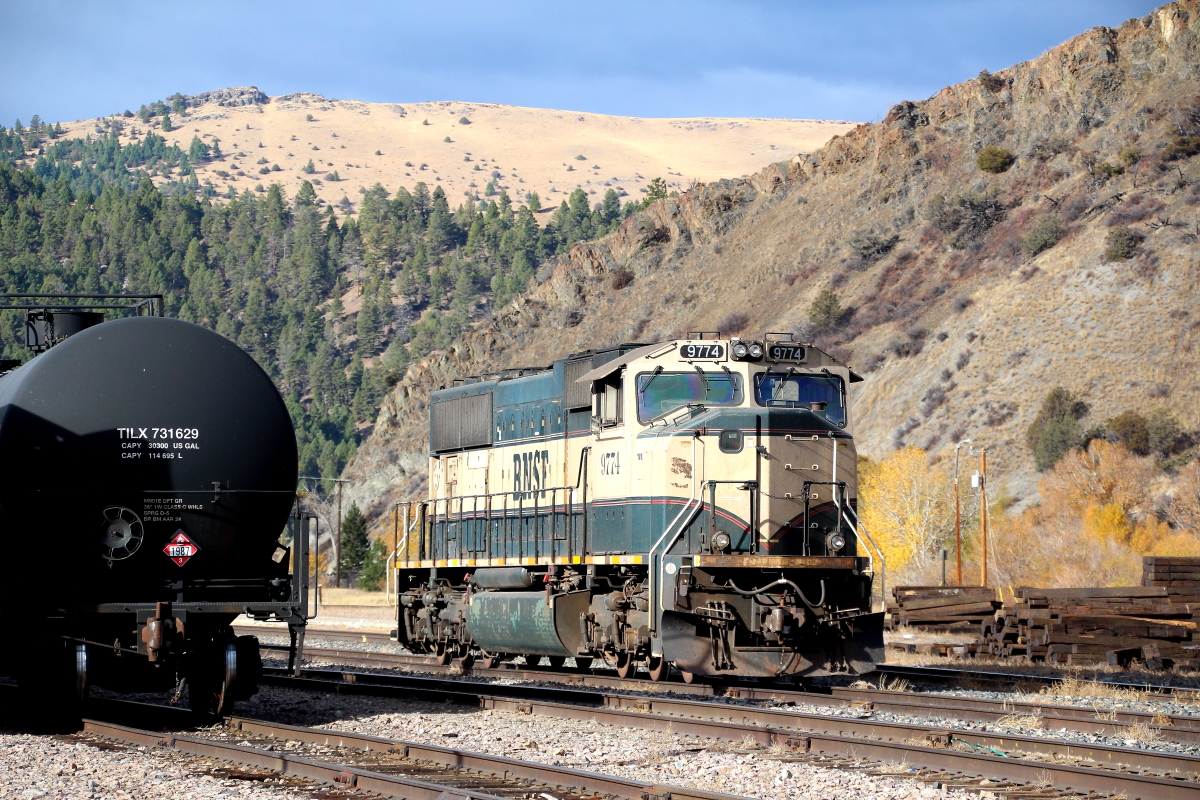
{"x": 610, "y": 464}
{"x": 529, "y": 473}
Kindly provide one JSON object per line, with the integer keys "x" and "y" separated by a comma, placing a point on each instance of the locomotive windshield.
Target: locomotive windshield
{"x": 660, "y": 393}
{"x": 788, "y": 390}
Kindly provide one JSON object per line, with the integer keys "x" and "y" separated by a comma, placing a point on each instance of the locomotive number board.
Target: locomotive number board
{"x": 702, "y": 352}
{"x": 786, "y": 352}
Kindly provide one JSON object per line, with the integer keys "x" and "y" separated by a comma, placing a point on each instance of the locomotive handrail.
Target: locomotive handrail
{"x": 434, "y": 516}
{"x": 858, "y": 526}
{"x": 655, "y": 591}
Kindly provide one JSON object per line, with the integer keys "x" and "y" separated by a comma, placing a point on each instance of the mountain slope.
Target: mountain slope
{"x": 961, "y": 325}
{"x": 521, "y": 149}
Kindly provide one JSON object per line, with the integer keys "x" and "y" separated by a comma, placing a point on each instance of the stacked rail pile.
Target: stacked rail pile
{"x": 1180, "y": 576}
{"x": 940, "y": 606}
{"x": 1079, "y": 626}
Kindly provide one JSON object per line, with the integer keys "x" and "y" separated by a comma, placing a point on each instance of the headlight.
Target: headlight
{"x": 756, "y": 350}
{"x": 721, "y": 541}
{"x": 835, "y": 542}
{"x": 739, "y": 349}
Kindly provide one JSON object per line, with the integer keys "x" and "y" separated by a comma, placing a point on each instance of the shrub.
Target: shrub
{"x": 1056, "y": 428}
{"x": 1044, "y": 234}
{"x": 1181, "y": 147}
{"x": 733, "y": 322}
{"x": 962, "y": 303}
{"x": 1128, "y": 156}
{"x": 581, "y": 158}
{"x": 464, "y": 121}
{"x": 990, "y": 82}
{"x": 276, "y": 168}
{"x": 967, "y": 216}
{"x": 870, "y": 248}
{"x": 308, "y": 117}
{"x": 1121, "y": 244}
{"x": 826, "y": 310}
{"x": 1130, "y": 429}
{"x": 1047, "y": 148}
{"x": 994, "y": 159}
{"x": 622, "y": 278}
{"x": 447, "y": 139}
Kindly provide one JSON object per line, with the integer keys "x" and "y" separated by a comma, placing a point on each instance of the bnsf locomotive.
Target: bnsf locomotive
{"x": 688, "y": 503}
{"x": 147, "y": 472}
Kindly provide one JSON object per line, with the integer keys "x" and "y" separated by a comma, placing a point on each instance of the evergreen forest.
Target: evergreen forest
{"x": 333, "y": 307}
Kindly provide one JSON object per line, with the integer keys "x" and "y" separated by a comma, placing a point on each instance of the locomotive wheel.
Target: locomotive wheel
{"x": 556, "y": 662}
{"x": 583, "y": 663}
{"x": 659, "y": 668}
{"x": 442, "y": 655}
{"x": 625, "y": 665}
{"x": 688, "y": 677}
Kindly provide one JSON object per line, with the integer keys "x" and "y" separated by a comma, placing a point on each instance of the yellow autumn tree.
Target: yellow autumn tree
{"x": 1096, "y": 520}
{"x": 907, "y": 507}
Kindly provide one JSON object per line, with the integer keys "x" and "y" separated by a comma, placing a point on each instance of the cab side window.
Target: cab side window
{"x": 606, "y": 401}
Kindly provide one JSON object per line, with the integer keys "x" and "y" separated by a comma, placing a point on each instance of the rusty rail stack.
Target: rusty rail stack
{"x": 942, "y": 607}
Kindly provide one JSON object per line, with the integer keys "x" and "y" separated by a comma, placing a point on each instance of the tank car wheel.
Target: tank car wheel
{"x": 83, "y": 683}
{"x": 659, "y": 668}
{"x": 556, "y": 662}
{"x": 214, "y": 681}
{"x": 625, "y": 665}
{"x": 491, "y": 660}
{"x": 583, "y": 663}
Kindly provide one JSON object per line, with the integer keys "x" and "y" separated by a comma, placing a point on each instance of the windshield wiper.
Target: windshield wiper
{"x": 657, "y": 370}
{"x": 779, "y": 386}
{"x": 704, "y": 378}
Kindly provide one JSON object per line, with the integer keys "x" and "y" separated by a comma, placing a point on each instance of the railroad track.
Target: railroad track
{"x": 1030, "y": 761}
{"x": 1181, "y": 729}
{"x": 387, "y": 767}
{"x": 934, "y": 674}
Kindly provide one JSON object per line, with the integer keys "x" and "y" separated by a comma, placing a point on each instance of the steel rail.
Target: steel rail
{"x": 1178, "y": 728}
{"x": 387, "y": 784}
{"x": 891, "y": 742}
{"x": 977, "y": 676}
{"x": 905, "y": 671}
{"x": 485, "y": 763}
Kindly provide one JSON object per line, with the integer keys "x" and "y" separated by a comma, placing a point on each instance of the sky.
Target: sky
{"x": 840, "y": 59}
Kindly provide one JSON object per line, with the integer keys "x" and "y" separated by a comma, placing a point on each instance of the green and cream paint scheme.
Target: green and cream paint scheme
{"x": 688, "y": 503}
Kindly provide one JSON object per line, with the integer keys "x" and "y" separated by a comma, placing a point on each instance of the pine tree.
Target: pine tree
{"x": 354, "y": 539}
{"x": 166, "y": 122}
{"x": 374, "y": 567}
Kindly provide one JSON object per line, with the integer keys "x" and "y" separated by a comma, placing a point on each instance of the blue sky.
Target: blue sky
{"x": 74, "y": 59}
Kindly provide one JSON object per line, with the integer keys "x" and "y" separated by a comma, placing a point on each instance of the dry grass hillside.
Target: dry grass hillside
{"x": 959, "y": 326}
{"x": 522, "y": 149}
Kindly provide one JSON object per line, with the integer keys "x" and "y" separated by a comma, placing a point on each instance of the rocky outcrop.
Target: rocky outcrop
{"x": 233, "y": 96}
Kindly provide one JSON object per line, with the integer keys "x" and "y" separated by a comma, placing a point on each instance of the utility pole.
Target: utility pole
{"x": 983, "y": 517}
{"x": 957, "y": 522}
{"x": 337, "y": 539}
